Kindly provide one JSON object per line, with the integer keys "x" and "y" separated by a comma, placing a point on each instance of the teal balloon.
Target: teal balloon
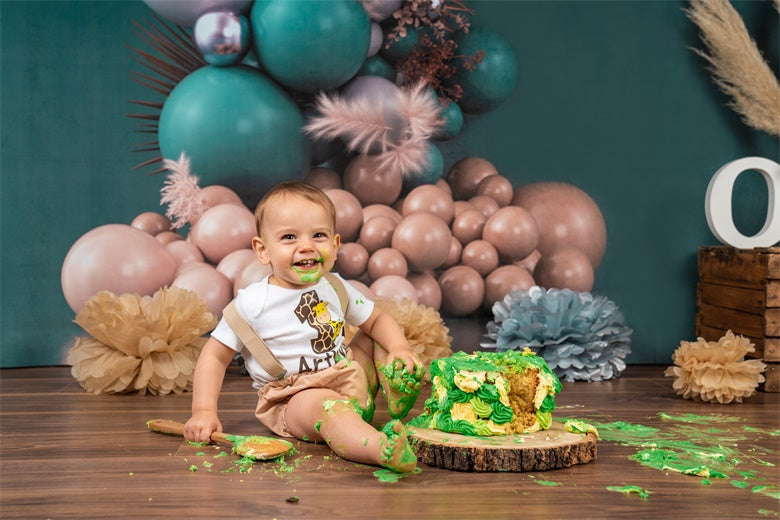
{"x": 377, "y": 66}
{"x": 234, "y": 123}
{"x": 310, "y": 45}
{"x": 494, "y": 79}
{"x": 431, "y": 173}
{"x": 453, "y": 121}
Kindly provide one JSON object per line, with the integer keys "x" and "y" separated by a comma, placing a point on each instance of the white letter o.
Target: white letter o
{"x": 717, "y": 203}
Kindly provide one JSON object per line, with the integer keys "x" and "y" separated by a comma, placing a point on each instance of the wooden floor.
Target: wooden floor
{"x": 68, "y": 454}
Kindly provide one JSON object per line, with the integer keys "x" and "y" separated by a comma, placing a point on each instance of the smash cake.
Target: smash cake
{"x": 490, "y": 393}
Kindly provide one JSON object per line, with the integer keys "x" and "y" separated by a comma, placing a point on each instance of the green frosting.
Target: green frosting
{"x": 481, "y": 393}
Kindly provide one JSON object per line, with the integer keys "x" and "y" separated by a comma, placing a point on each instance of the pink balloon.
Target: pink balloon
{"x": 466, "y": 174}
{"x": 565, "y": 268}
{"x": 529, "y": 262}
{"x": 481, "y": 256}
{"x": 380, "y": 210}
{"x": 323, "y": 178}
{"x": 444, "y": 185}
{"x": 376, "y": 233}
{"x": 349, "y": 214}
{"x": 394, "y": 287}
{"x": 223, "y": 229}
{"x": 385, "y": 262}
{"x": 504, "y": 280}
{"x": 184, "y": 252}
{"x": 189, "y": 266}
{"x": 351, "y": 260}
{"x": 363, "y": 288}
{"x": 117, "y": 258}
{"x": 209, "y": 284}
{"x": 215, "y": 195}
{"x": 372, "y": 183}
{"x": 424, "y": 239}
{"x": 235, "y": 262}
{"x": 166, "y": 237}
{"x": 513, "y": 232}
{"x": 498, "y": 188}
{"x": 468, "y": 226}
{"x": 428, "y": 290}
{"x": 566, "y": 216}
{"x": 151, "y": 222}
{"x": 484, "y": 204}
{"x": 253, "y": 272}
{"x": 462, "y": 290}
{"x": 430, "y": 199}
{"x": 461, "y": 206}
{"x": 453, "y": 257}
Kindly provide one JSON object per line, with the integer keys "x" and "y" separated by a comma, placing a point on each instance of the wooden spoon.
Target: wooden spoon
{"x": 256, "y": 447}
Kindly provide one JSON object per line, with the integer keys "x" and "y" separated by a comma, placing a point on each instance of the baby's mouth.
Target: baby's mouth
{"x": 307, "y": 264}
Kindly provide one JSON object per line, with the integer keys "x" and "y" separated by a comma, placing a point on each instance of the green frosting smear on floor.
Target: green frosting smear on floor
{"x": 719, "y": 448}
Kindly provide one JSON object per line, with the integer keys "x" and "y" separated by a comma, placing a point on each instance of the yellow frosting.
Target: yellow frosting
{"x": 469, "y": 381}
{"x": 463, "y": 412}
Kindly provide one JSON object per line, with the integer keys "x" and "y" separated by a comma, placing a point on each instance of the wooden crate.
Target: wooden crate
{"x": 739, "y": 290}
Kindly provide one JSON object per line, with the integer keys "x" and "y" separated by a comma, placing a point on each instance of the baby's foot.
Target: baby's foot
{"x": 397, "y": 454}
{"x": 400, "y": 387}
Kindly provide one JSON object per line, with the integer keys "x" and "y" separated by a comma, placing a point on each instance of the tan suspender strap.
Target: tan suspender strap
{"x": 253, "y": 342}
{"x": 341, "y": 291}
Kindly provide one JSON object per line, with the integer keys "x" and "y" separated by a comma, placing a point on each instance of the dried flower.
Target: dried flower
{"x": 442, "y": 16}
{"x": 716, "y": 371}
{"x": 145, "y": 344}
{"x": 434, "y": 63}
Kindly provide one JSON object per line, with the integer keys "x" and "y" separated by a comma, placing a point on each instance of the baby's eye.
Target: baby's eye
{"x": 320, "y": 234}
{"x": 288, "y": 236}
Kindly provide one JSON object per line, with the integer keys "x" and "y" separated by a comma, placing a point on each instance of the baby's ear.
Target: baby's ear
{"x": 259, "y": 248}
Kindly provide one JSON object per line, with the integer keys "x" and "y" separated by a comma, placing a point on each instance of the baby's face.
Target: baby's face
{"x": 299, "y": 241}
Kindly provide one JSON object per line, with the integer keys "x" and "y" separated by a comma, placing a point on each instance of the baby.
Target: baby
{"x": 326, "y": 390}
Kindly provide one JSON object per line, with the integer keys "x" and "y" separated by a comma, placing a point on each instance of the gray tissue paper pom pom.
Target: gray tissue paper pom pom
{"x": 581, "y": 336}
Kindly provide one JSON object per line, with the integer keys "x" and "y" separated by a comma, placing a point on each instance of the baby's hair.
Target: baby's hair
{"x": 295, "y": 189}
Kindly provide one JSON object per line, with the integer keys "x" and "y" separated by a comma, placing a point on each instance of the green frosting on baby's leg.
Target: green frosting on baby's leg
{"x": 400, "y": 386}
{"x": 397, "y": 455}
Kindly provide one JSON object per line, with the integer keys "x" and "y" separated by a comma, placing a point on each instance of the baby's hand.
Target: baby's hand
{"x": 409, "y": 358}
{"x": 200, "y": 426}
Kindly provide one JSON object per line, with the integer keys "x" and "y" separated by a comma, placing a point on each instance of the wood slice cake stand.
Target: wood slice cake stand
{"x": 553, "y": 448}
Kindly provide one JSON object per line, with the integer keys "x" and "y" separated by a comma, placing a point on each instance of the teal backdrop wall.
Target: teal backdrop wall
{"x": 610, "y": 98}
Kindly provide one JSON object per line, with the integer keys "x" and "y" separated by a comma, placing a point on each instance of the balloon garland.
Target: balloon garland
{"x": 245, "y": 97}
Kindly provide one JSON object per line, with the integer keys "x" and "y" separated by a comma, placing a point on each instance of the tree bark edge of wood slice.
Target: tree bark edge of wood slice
{"x": 554, "y": 448}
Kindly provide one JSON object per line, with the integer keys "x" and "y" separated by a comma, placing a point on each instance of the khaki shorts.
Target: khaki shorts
{"x": 347, "y": 378}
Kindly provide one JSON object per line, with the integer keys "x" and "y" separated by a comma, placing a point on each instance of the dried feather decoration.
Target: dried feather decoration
{"x": 737, "y": 65}
{"x": 716, "y": 372}
{"x": 363, "y": 126}
{"x": 422, "y": 325}
{"x": 148, "y": 344}
{"x": 182, "y": 193}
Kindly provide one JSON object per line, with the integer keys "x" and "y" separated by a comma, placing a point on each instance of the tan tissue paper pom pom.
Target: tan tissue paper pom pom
{"x": 422, "y": 325}
{"x": 140, "y": 343}
{"x": 716, "y": 372}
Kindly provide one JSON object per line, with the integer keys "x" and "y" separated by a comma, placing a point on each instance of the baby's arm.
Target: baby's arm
{"x": 383, "y": 329}
{"x": 207, "y": 383}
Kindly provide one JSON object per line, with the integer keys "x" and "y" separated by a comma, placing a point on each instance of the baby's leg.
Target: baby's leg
{"x": 362, "y": 347}
{"x": 400, "y": 386}
{"x": 321, "y": 414}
